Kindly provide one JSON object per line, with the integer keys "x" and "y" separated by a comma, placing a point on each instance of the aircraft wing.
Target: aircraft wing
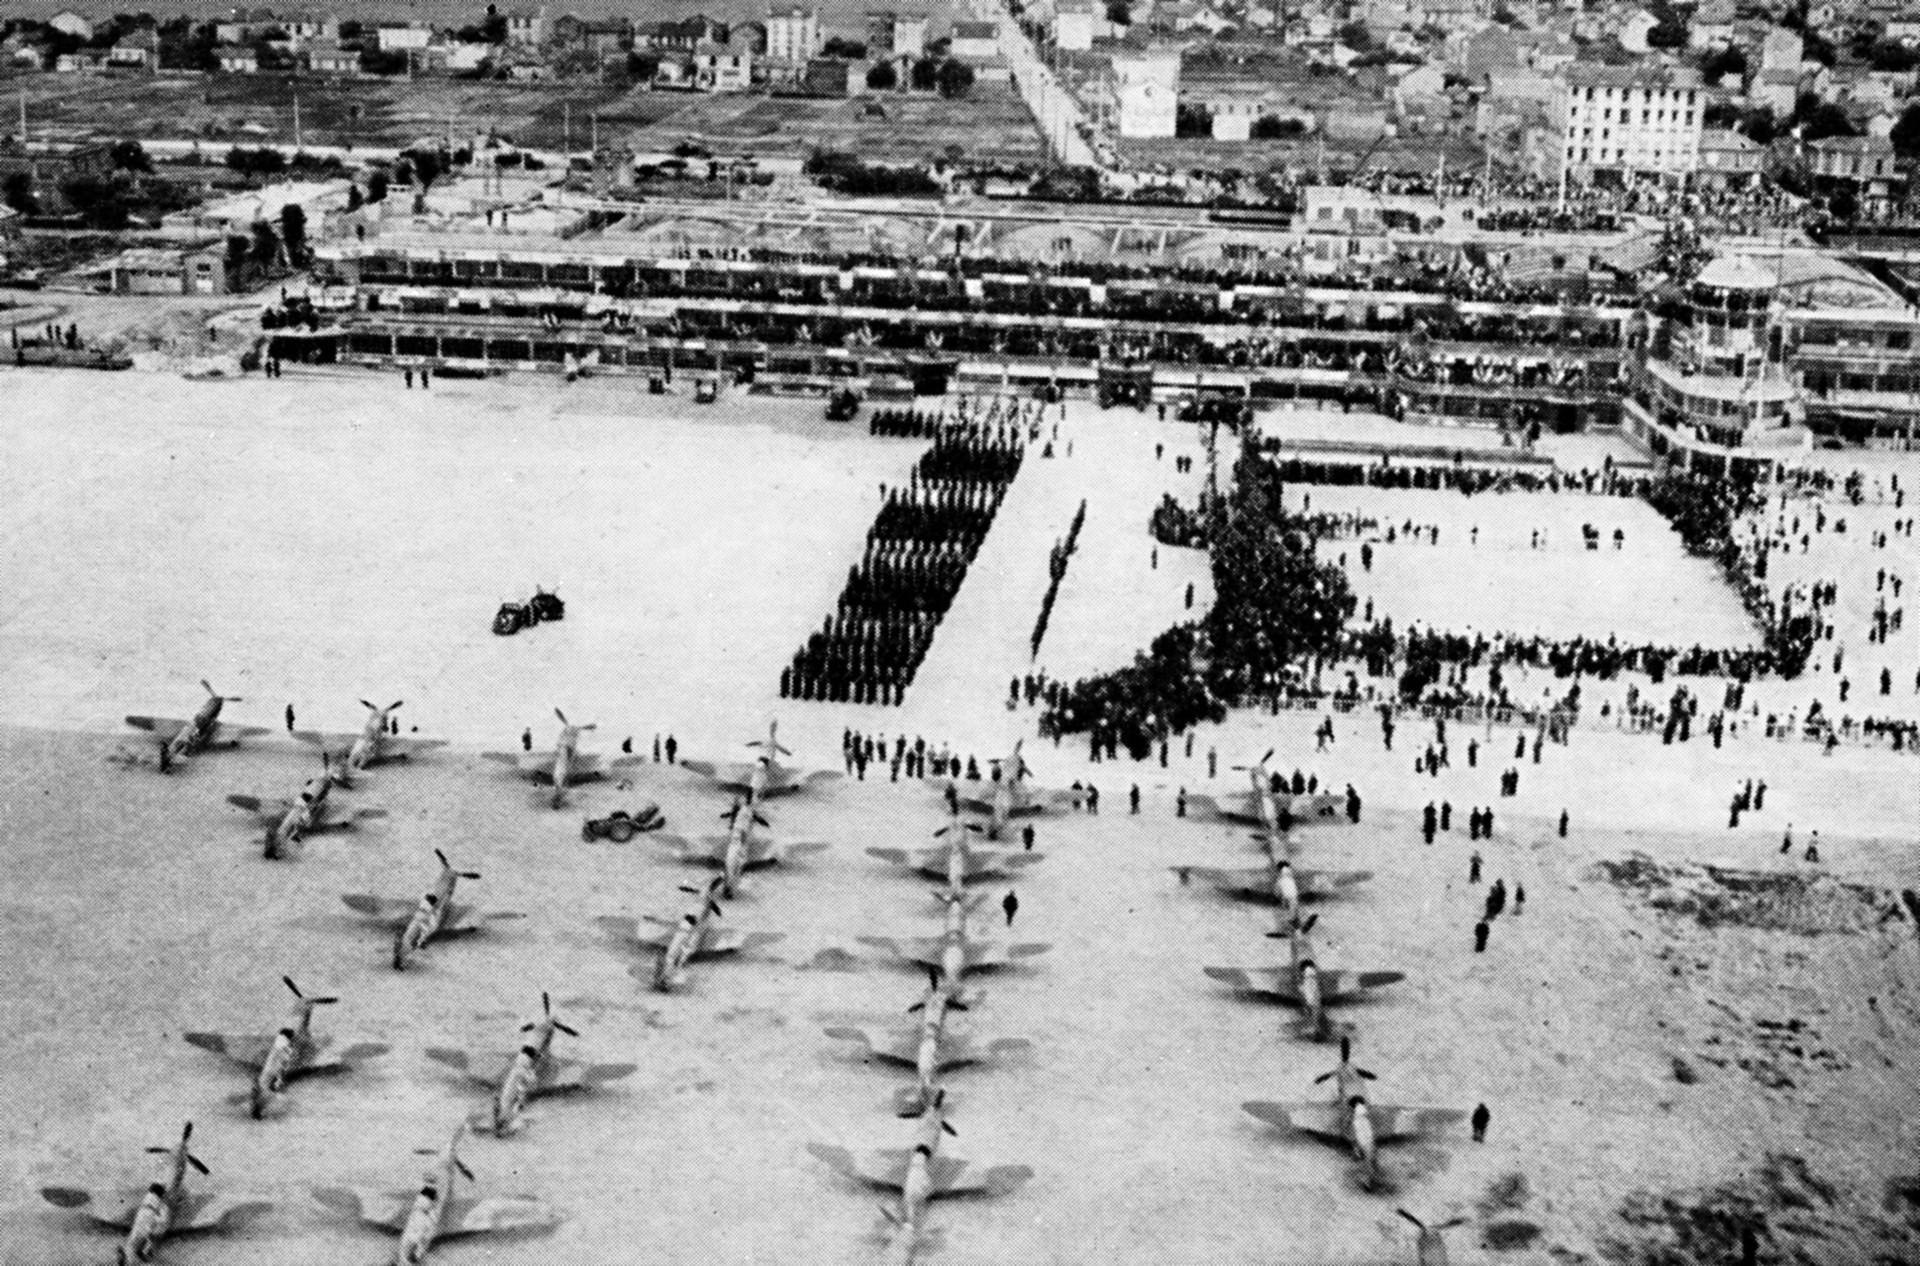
{"x": 990, "y": 954}
{"x": 484, "y": 1070}
{"x": 811, "y": 777}
{"x": 495, "y": 1215}
{"x": 343, "y": 1061}
{"x": 265, "y": 810}
{"x": 975, "y": 804}
{"x": 771, "y": 852}
{"x": 583, "y": 766}
{"x": 901, "y": 1046}
{"x": 727, "y": 775}
{"x": 886, "y": 1168}
{"x": 1317, "y": 806}
{"x": 401, "y": 748}
{"x": 1328, "y": 1120}
{"x": 335, "y": 743}
{"x": 109, "y": 1206}
{"x": 1036, "y": 798}
{"x": 383, "y": 909}
{"x": 1257, "y": 880}
{"x": 897, "y": 856}
{"x": 952, "y": 1177}
{"x": 1237, "y": 808}
{"x": 1322, "y": 883}
{"x": 991, "y": 862}
{"x": 1391, "y": 1122}
{"x": 708, "y": 848}
{"x": 630, "y": 935}
{"x": 387, "y": 1210}
{"x": 726, "y": 941}
{"x": 1273, "y": 980}
{"x": 248, "y": 1050}
{"x": 535, "y": 765}
{"x": 562, "y": 1076}
{"x": 466, "y": 920}
{"x": 220, "y": 730}
{"x": 209, "y": 1211}
{"x": 1345, "y": 984}
{"x": 158, "y": 725}
{"x": 915, "y": 949}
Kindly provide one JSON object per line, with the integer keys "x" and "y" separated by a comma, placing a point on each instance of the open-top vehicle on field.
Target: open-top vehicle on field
{"x": 514, "y": 616}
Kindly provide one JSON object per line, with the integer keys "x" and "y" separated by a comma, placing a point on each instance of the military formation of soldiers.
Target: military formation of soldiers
{"x": 917, "y": 554}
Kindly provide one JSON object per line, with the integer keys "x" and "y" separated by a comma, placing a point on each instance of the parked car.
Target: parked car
{"x": 514, "y": 616}
{"x": 621, "y": 826}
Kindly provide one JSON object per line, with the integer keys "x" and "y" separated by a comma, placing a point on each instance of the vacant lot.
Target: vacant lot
{"x": 990, "y": 124}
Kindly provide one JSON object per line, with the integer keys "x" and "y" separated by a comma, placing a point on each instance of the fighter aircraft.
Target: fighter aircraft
{"x": 434, "y": 916}
{"x": 287, "y": 822}
{"x": 765, "y": 776}
{"x": 373, "y": 745}
{"x": 433, "y": 1214}
{"x": 1274, "y": 812}
{"x": 929, "y": 1048}
{"x": 1278, "y": 881}
{"x": 565, "y": 765}
{"x": 953, "y": 953}
{"x": 674, "y": 944}
{"x": 529, "y": 1073}
{"x": 1009, "y": 796}
{"x": 275, "y": 1059}
{"x": 956, "y": 861}
{"x": 920, "y": 1174}
{"x": 1303, "y": 984}
{"x": 1351, "y": 1120}
{"x": 184, "y": 738}
{"x": 738, "y": 851}
{"x": 150, "y": 1214}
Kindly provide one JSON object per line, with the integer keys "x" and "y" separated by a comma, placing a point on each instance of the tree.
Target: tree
{"x": 130, "y": 156}
{"x": 1355, "y": 36}
{"x": 375, "y": 61}
{"x": 1817, "y": 120}
{"x": 377, "y": 186}
{"x": 883, "y": 77}
{"x": 924, "y": 75}
{"x": 1758, "y": 126}
{"x": 1120, "y": 12}
{"x": 264, "y": 161}
{"x": 355, "y": 199}
{"x": 1269, "y": 128}
{"x": 102, "y": 201}
{"x": 955, "y": 78}
{"x": 1718, "y": 63}
{"x": 17, "y": 192}
{"x": 840, "y": 46}
{"x": 266, "y": 250}
{"x": 1906, "y": 133}
{"x": 293, "y": 232}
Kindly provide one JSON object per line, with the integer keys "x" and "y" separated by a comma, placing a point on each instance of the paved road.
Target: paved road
{"x": 1054, "y": 108}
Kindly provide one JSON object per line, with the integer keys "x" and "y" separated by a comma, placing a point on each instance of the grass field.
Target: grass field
{"x": 990, "y": 124}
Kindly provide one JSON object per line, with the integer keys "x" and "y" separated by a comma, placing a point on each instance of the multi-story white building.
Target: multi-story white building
{"x": 793, "y": 36}
{"x": 1146, "y": 89}
{"x": 1631, "y": 120}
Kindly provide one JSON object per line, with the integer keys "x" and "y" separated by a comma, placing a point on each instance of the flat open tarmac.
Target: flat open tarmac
{"x": 319, "y": 539}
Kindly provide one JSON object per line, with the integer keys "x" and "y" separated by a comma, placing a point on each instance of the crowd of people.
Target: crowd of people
{"x": 916, "y": 557}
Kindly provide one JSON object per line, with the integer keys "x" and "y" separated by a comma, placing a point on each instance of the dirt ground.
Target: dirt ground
{"x": 1680, "y": 1032}
{"x": 990, "y": 123}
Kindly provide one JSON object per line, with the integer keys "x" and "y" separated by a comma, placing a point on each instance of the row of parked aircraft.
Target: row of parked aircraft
{"x": 932, "y": 1047}
{"x": 418, "y": 1217}
{"x": 1351, "y": 1119}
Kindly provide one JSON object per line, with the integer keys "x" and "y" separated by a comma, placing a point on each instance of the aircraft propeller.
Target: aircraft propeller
{"x": 448, "y": 866}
